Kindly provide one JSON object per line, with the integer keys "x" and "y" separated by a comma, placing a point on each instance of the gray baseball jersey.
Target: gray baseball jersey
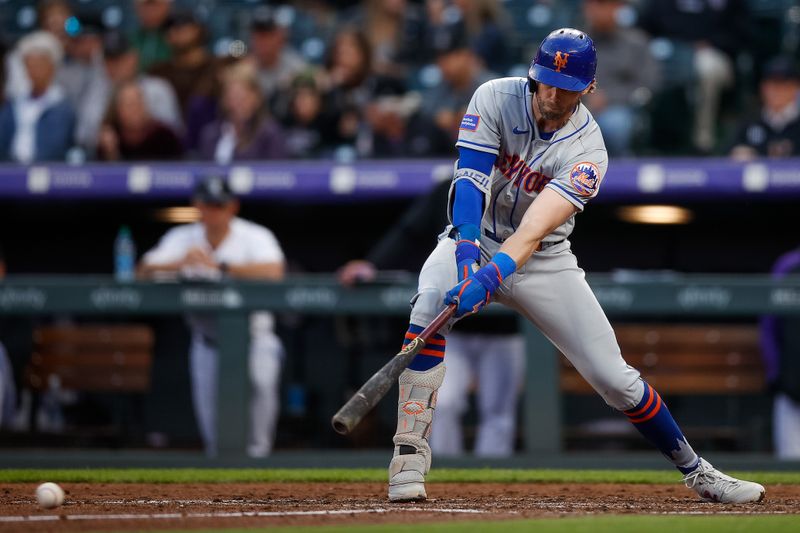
{"x": 572, "y": 162}
{"x": 550, "y": 289}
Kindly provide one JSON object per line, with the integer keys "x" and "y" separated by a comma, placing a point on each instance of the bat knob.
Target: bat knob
{"x": 351, "y": 413}
{"x": 340, "y": 426}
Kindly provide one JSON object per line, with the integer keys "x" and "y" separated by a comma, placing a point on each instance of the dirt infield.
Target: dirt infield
{"x": 99, "y": 506}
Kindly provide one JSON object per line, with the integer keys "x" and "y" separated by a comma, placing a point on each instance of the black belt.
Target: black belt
{"x": 542, "y": 245}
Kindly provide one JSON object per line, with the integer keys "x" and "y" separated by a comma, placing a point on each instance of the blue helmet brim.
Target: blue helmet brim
{"x": 557, "y": 79}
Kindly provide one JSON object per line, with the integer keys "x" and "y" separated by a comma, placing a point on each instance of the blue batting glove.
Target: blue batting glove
{"x": 468, "y": 257}
{"x": 473, "y": 293}
{"x": 468, "y": 250}
{"x": 469, "y": 296}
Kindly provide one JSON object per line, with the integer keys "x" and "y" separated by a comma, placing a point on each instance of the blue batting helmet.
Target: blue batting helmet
{"x": 566, "y": 59}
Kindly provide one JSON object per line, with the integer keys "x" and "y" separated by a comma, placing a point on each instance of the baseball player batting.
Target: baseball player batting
{"x": 530, "y": 158}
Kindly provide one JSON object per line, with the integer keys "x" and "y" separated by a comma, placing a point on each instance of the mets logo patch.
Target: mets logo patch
{"x": 584, "y": 178}
{"x": 470, "y": 122}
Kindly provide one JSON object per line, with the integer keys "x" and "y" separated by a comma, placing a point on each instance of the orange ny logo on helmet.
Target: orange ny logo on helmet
{"x": 560, "y": 60}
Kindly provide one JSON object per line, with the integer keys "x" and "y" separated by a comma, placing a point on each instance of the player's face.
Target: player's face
{"x": 554, "y": 103}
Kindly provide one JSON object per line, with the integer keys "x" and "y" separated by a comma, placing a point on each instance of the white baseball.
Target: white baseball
{"x": 49, "y": 495}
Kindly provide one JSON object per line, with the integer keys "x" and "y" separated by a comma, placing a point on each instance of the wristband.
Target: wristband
{"x": 506, "y": 265}
{"x": 493, "y": 274}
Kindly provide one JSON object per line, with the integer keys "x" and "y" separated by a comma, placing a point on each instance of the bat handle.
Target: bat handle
{"x": 379, "y": 384}
{"x": 440, "y": 320}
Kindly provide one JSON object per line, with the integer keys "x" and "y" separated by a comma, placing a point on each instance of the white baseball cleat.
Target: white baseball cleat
{"x": 406, "y": 478}
{"x": 412, "y": 491}
{"x": 712, "y": 485}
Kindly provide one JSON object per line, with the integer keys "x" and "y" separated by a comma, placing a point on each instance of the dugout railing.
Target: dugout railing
{"x": 637, "y": 296}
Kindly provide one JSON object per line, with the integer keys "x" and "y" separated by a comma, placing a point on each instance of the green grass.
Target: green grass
{"x": 593, "y": 524}
{"x": 334, "y": 475}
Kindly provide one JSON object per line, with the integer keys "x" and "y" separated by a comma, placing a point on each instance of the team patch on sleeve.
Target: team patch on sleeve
{"x": 470, "y": 122}
{"x": 584, "y": 178}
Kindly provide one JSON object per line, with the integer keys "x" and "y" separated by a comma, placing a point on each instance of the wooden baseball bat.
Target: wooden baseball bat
{"x": 381, "y": 381}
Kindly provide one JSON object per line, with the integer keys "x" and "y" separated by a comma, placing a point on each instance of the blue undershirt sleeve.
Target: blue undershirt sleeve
{"x": 480, "y": 161}
{"x": 468, "y": 203}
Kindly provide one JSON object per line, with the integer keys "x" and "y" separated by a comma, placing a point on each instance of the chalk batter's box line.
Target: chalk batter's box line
{"x": 241, "y": 514}
{"x": 263, "y": 514}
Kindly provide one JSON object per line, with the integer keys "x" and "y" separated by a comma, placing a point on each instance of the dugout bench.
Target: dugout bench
{"x": 690, "y": 363}
{"x": 687, "y": 297}
{"x": 113, "y": 359}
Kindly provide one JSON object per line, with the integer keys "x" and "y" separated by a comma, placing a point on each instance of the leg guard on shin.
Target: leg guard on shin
{"x": 412, "y": 453}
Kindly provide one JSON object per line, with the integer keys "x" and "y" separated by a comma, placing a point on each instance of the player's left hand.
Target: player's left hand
{"x": 468, "y": 255}
{"x": 469, "y": 296}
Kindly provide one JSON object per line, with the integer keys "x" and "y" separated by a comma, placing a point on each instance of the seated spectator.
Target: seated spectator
{"x": 82, "y": 55}
{"x": 345, "y": 78}
{"x": 394, "y": 30}
{"x": 306, "y": 126}
{"x": 462, "y": 73}
{"x": 627, "y": 74}
{"x": 487, "y": 25}
{"x": 246, "y": 130}
{"x": 192, "y": 70}
{"x": 51, "y": 16}
{"x": 716, "y": 31}
{"x": 393, "y": 121}
{"x": 275, "y": 61}
{"x": 121, "y": 64}
{"x": 205, "y": 106}
{"x": 350, "y": 86}
{"x": 149, "y": 38}
{"x": 220, "y": 246}
{"x": 83, "y": 58}
{"x": 37, "y": 125}
{"x": 776, "y": 131}
{"x": 130, "y": 133}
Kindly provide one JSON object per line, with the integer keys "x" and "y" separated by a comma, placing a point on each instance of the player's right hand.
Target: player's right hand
{"x": 469, "y": 296}
{"x": 468, "y": 256}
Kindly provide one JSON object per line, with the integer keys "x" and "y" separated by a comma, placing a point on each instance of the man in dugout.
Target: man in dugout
{"x": 222, "y": 245}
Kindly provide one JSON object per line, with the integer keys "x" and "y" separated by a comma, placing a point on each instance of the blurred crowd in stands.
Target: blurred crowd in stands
{"x": 225, "y": 81}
